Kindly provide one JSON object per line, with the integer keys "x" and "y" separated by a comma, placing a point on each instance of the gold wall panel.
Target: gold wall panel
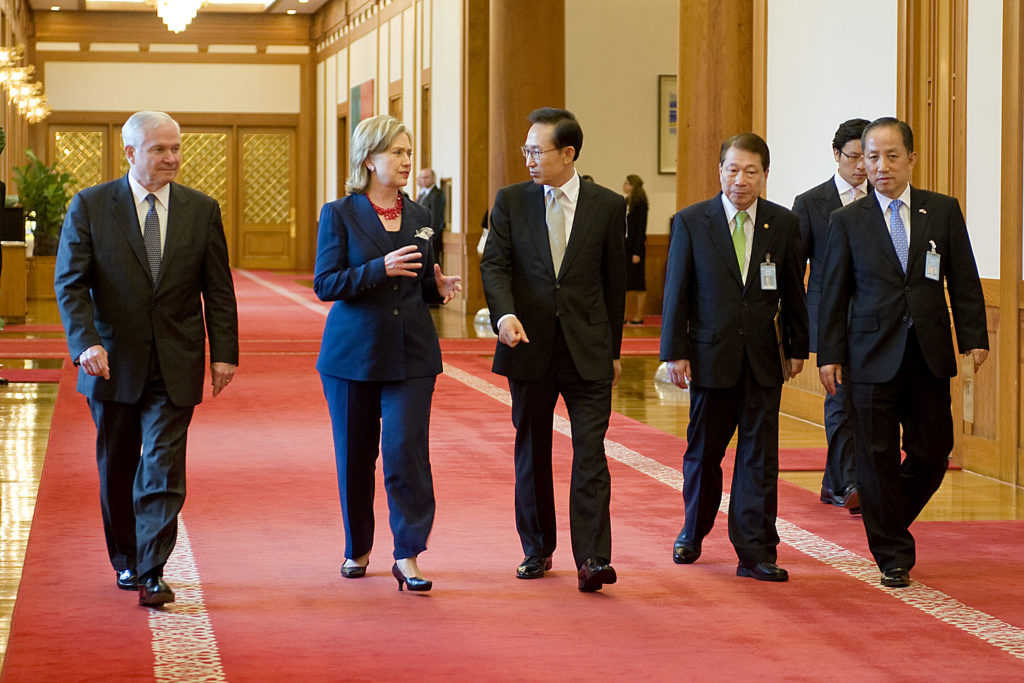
{"x": 204, "y": 165}
{"x": 80, "y": 153}
{"x": 266, "y": 164}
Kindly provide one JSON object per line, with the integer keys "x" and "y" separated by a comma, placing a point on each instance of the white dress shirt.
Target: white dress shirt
{"x": 163, "y": 198}
{"x": 748, "y": 229}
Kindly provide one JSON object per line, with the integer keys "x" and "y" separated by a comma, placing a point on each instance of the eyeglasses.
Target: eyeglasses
{"x": 535, "y": 153}
{"x": 855, "y": 158}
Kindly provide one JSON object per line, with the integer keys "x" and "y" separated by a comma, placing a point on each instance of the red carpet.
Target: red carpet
{"x": 262, "y": 516}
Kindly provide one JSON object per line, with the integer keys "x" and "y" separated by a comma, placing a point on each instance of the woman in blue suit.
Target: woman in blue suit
{"x": 380, "y": 356}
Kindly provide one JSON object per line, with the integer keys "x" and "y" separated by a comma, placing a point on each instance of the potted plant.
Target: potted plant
{"x": 45, "y": 192}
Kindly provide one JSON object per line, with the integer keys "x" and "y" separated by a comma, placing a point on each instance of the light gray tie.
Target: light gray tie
{"x": 556, "y": 227}
{"x": 151, "y": 236}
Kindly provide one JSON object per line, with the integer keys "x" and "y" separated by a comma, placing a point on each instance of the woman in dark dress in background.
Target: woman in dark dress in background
{"x": 380, "y": 354}
{"x": 636, "y": 245}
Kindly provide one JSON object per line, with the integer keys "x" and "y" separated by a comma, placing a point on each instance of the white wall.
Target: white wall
{"x": 611, "y": 85}
{"x": 824, "y": 66}
{"x": 215, "y": 88}
{"x": 984, "y": 125}
{"x": 446, "y": 101}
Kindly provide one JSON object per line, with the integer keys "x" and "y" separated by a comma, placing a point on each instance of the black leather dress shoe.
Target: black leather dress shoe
{"x": 684, "y": 553}
{"x": 763, "y": 571}
{"x": 830, "y": 498}
{"x": 153, "y": 592}
{"x": 594, "y": 573}
{"x": 895, "y": 578}
{"x": 127, "y": 580}
{"x": 533, "y": 567}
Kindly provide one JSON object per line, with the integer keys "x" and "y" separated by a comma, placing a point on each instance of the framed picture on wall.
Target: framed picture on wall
{"x": 668, "y": 123}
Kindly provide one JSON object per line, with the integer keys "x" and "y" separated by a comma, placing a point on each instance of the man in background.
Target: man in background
{"x": 813, "y": 208}
{"x": 432, "y": 197}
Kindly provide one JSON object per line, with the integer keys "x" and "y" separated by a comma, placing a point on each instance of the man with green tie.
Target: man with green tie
{"x": 734, "y": 264}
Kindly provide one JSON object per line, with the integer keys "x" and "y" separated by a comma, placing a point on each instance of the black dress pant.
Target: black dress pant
{"x": 715, "y": 415}
{"x": 589, "y": 404}
{"x": 840, "y": 463}
{"x": 893, "y": 493}
{"x": 140, "y": 454}
{"x": 359, "y": 412}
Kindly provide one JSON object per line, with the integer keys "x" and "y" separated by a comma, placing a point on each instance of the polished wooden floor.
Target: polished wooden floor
{"x": 26, "y": 411}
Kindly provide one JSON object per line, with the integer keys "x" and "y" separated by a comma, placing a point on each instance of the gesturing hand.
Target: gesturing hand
{"x": 404, "y": 261}
{"x": 447, "y": 286}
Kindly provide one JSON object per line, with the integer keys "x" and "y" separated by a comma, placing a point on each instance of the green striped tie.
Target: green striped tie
{"x": 739, "y": 238}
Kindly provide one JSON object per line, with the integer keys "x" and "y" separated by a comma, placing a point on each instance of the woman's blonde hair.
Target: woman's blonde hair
{"x": 372, "y": 136}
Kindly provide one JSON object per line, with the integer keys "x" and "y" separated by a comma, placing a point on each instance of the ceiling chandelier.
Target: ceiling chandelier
{"x": 177, "y": 14}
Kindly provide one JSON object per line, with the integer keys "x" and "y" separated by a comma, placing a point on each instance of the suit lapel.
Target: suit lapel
{"x": 763, "y": 232}
{"x": 918, "y": 231}
{"x": 365, "y": 219}
{"x": 538, "y": 226}
{"x": 126, "y": 218}
{"x": 718, "y": 229}
{"x": 180, "y": 221}
{"x": 829, "y": 200}
{"x": 875, "y": 222}
{"x": 583, "y": 217}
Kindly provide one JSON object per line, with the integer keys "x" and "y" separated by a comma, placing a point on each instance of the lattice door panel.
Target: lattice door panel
{"x": 80, "y": 153}
{"x": 267, "y": 230}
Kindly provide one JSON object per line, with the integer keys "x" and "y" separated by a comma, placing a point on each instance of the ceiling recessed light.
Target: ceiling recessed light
{"x": 303, "y": 2}
{"x": 291, "y": 11}
{"x": 55, "y": 8}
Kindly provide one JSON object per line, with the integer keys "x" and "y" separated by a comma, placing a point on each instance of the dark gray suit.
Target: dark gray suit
{"x": 725, "y": 328}
{"x": 813, "y": 208}
{"x": 574, "y": 322}
{"x": 891, "y": 331}
{"x": 155, "y": 338}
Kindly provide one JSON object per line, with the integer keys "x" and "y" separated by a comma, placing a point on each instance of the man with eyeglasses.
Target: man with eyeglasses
{"x": 554, "y": 277}
{"x": 734, "y": 329}
{"x": 884, "y": 328}
{"x": 813, "y": 208}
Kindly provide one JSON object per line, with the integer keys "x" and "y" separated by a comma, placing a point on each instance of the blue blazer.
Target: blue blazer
{"x": 379, "y": 328}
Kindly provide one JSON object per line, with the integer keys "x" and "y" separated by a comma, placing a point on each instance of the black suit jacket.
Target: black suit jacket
{"x": 813, "y": 209}
{"x": 379, "y": 328}
{"x": 711, "y": 317}
{"x": 105, "y": 292}
{"x": 588, "y": 295}
{"x": 863, "y": 280}
{"x": 435, "y": 203}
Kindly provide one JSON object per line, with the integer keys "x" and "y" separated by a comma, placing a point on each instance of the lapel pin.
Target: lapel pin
{"x": 765, "y": 226}
{"x": 922, "y": 211}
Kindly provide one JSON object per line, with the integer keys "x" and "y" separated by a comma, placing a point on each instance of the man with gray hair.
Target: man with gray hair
{"x": 142, "y": 277}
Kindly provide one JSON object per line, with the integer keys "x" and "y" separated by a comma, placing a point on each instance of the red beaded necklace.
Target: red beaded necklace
{"x": 388, "y": 214}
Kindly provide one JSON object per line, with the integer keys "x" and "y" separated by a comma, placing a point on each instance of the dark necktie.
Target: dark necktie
{"x": 151, "y": 236}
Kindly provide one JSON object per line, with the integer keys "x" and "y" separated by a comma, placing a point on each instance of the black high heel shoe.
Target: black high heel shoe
{"x": 414, "y": 583}
{"x": 354, "y": 572}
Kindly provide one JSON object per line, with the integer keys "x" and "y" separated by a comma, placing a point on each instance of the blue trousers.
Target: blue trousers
{"x": 395, "y": 415}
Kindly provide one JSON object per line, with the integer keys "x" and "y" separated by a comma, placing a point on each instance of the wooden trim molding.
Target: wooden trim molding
{"x": 1012, "y": 180}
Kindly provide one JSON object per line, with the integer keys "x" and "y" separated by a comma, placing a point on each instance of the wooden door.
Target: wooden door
{"x": 266, "y": 194}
